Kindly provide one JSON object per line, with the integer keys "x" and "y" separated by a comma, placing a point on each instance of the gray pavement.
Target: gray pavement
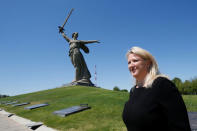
{"x": 12, "y": 122}
{"x": 7, "y": 124}
{"x": 193, "y": 120}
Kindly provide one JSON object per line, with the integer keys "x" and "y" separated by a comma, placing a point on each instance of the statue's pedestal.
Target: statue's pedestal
{"x": 82, "y": 82}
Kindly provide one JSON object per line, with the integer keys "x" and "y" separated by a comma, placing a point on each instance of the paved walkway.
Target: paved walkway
{"x": 193, "y": 120}
{"x": 7, "y": 124}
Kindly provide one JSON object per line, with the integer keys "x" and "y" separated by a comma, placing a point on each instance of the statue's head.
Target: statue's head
{"x": 75, "y": 35}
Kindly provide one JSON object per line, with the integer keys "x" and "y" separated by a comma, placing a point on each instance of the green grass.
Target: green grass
{"x": 190, "y": 102}
{"x": 105, "y": 113}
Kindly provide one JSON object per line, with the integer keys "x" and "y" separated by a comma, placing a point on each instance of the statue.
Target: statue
{"x": 82, "y": 74}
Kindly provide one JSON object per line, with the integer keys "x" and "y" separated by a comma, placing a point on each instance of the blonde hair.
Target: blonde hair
{"x": 153, "y": 71}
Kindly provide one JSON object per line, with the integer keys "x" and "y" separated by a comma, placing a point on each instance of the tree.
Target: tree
{"x": 194, "y": 86}
{"x": 124, "y": 90}
{"x": 116, "y": 88}
{"x": 3, "y": 96}
{"x": 186, "y": 87}
{"x": 177, "y": 81}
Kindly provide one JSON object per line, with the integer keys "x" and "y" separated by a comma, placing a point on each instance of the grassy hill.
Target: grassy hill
{"x": 105, "y": 113}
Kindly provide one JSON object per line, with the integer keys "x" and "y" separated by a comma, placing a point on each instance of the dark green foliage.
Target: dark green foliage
{"x": 186, "y": 87}
{"x": 124, "y": 90}
{"x": 3, "y": 96}
{"x": 116, "y": 88}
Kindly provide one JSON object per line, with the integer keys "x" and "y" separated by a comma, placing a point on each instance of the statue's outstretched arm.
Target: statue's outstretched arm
{"x": 61, "y": 31}
{"x": 89, "y": 41}
{"x": 65, "y": 36}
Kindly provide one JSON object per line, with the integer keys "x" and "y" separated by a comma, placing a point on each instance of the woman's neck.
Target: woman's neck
{"x": 139, "y": 83}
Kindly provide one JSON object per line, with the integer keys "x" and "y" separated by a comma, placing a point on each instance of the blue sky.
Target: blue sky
{"x": 34, "y": 56}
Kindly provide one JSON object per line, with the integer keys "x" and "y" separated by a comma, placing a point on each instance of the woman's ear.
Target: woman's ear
{"x": 148, "y": 65}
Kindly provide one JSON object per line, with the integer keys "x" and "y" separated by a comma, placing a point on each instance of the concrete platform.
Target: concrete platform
{"x": 15, "y": 123}
{"x": 6, "y": 124}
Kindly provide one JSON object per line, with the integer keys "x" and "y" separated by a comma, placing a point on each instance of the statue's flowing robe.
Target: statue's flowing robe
{"x": 78, "y": 61}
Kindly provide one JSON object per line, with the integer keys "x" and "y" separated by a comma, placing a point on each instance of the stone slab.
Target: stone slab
{"x": 11, "y": 103}
{"x": 4, "y": 102}
{"x": 71, "y": 110}
{"x": 21, "y": 104}
{"x": 36, "y": 106}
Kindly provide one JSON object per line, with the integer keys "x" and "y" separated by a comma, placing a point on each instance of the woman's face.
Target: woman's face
{"x": 137, "y": 66}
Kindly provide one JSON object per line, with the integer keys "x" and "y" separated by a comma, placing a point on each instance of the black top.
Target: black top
{"x": 159, "y": 108}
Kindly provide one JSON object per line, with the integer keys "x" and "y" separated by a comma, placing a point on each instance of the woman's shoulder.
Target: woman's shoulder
{"x": 163, "y": 81}
{"x": 163, "y": 86}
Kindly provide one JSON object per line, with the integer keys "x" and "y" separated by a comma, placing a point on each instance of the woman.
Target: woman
{"x": 155, "y": 103}
{"x": 82, "y": 74}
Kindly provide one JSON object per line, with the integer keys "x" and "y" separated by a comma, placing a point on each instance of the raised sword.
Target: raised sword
{"x": 61, "y": 28}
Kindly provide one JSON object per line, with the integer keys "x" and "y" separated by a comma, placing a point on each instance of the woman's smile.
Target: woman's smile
{"x": 137, "y": 66}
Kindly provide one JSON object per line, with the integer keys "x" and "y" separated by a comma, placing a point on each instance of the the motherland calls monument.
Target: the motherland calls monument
{"x": 82, "y": 74}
